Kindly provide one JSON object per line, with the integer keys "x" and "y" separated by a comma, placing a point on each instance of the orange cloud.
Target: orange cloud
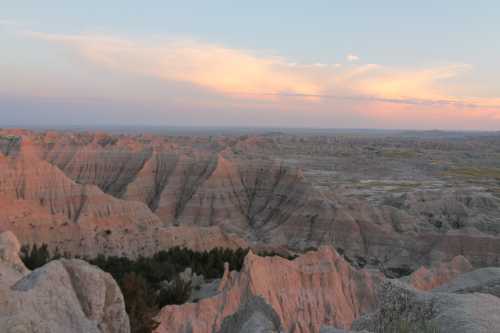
{"x": 421, "y": 84}
{"x": 218, "y": 68}
{"x": 243, "y": 73}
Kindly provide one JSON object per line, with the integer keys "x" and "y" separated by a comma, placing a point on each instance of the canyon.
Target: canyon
{"x": 89, "y": 193}
{"x": 358, "y": 209}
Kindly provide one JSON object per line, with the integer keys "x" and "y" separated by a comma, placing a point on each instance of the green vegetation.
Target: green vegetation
{"x": 140, "y": 303}
{"x": 11, "y": 138}
{"x": 166, "y": 265}
{"x": 8, "y": 143}
{"x": 36, "y": 256}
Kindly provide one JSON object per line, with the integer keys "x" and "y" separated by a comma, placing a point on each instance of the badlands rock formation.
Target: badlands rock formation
{"x": 272, "y": 294}
{"x": 41, "y": 204}
{"x": 427, "y": 209}
{"x": 62, "y": 296}
{"x": 429, "y": 278}
{"x": 90, "y": 193}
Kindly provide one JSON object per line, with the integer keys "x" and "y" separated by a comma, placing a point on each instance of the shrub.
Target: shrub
{"x": 140, "y": 303}
{"x": 34, "y": 257}
{"x": 177, "y": 292}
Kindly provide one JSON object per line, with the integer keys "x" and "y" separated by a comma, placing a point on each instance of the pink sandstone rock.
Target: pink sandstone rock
{"x": 318, "y": 288}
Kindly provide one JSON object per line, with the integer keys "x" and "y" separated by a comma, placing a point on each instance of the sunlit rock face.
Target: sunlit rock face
{"x": 59, "y": 297}
{"x": 273, "y": 294}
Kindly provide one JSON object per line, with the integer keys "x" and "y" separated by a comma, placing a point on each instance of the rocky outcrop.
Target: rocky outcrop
{"x": 483, "y": 280}
{"x": 403, "y": 306}
{"x": 11, "y": 266}
{"x": 62, "y": 296}
{"x": 429, "y": 278}
{"x": 275, "y": 294}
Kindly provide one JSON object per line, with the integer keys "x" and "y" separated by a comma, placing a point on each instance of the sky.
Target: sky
{"x": 321, "y": 64}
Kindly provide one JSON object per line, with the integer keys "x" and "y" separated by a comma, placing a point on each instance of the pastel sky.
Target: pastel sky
{"x": 328, "y": 64}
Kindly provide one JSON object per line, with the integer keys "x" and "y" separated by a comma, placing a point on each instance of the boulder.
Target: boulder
{"x": 11, "y": 266}
{"x": 59, "y": 297}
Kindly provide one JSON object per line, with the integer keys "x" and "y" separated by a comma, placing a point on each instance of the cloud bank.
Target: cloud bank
{"x": 233, "y": 71}
{"x": 210, "y": 66}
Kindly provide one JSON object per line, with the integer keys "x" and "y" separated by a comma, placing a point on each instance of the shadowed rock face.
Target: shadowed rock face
{"x": 62, "y": 296}
{"x": 254, "y": 316}
{"x": 279, "y": 295}
{"x": 123, "y": 194}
